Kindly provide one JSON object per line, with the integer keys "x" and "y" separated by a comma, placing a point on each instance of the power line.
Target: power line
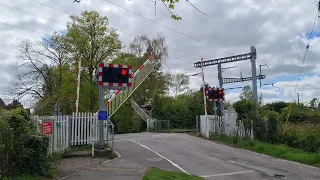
{"x": 168, "y": 27}
{"x": 58, "y": 22}
{"x": 24, "y": 28}
{"x": 185, "y": 68}
{"x": 16, "y": 37}
{"x": 47, "y": 34}
{"x": 303, "y": 60}
{"x": 52, "y": 20}
{"x": 28, "y": 12}
{"x": 52, "y": 7}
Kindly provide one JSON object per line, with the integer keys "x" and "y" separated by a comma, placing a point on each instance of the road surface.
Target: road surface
{"x": 207, "y": 159}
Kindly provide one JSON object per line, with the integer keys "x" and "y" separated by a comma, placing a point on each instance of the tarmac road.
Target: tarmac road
{"x": 193, "y": 155}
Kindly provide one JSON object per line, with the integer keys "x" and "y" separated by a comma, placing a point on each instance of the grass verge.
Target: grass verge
{"x": 159, "y": 174}
{"x": 28, "y": 177}
{"x": 275, "y": 150}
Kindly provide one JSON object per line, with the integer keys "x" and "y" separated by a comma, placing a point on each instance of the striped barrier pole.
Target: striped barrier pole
{"x": 78, "y": 85}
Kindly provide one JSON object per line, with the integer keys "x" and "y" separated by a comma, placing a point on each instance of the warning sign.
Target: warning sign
{"x": 47, "y": 128}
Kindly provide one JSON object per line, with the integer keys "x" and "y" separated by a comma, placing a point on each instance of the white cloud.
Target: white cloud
{"x": 273, "y": 27}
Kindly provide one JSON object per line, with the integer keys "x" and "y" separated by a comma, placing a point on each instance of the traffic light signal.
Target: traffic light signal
{"x": 149, "y": 107}
{"x": 115, "y": 76}
{"x": 214, "y": 94}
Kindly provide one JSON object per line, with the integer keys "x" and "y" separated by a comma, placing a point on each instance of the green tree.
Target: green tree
{"x": 276, "y": 106}
{"x": 157, "y": 82}
{"x": 89, "y": 36}
{"x": 313, "y": 103}
{"x": 179, "y": 83}
{"x": 247, "y": 94}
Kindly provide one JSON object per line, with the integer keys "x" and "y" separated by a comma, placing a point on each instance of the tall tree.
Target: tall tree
{"x": 89, "y": 36}
{"x": 247, "y": 94}
{"x": 157, "y": 83}
{"x": 34, "y": 72}
{"x": 313, "y": 103}
{"x": 179, "y": 83}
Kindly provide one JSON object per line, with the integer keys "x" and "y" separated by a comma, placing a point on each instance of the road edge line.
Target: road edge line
{"x": 259, "y": 154}
{"x": 174, "y": 164}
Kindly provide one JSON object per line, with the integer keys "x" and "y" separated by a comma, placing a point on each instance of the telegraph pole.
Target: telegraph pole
{"x": 299, "y": 94}
{"x": 203, "y": 89}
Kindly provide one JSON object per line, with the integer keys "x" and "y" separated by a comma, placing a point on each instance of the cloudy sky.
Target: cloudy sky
{"x": 279, "y": 29}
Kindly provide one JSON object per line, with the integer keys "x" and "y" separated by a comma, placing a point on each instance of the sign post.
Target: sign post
{"x": 112, "y": 77}
{"x": 102, "y": 116}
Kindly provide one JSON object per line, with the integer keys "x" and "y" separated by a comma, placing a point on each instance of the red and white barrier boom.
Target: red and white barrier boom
{"x": 120, "y": 96}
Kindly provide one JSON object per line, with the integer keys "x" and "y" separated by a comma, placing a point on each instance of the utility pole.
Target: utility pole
{"x": 261, "y": 65}
{"x": 204, "y": 96}
{"x": 299, "y": 94}
{"x": 252, "y": 56}
{"x": 220, "y": 70}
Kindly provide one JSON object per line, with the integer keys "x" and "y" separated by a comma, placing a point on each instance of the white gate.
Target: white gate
{"x": 210, "y": 124}
{"x": 59, "y": 139}
{"x": 81, "y": 128}
{"x": 219, "y": 124}
{"x": 71, "y": 130}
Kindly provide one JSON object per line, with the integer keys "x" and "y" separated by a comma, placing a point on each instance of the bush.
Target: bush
{"x": 24, "y": 151}
{"x": 272, "y": 127}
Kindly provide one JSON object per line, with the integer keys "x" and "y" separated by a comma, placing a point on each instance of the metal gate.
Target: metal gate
{"x": 161, "y": 125}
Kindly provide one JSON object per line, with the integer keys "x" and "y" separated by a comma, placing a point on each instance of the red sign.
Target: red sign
{"x": 47, "y": 128}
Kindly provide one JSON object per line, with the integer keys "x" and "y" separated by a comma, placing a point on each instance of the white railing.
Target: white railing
{"x": 71, "y": 130}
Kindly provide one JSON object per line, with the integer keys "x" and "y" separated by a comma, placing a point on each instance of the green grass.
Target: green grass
{"x": 275, "y": 150}
{"x": 27, "y": 177}
{"x": 158, "y": 174}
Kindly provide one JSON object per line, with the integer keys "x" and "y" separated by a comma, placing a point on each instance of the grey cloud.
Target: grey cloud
{"x": 270, "y": 26}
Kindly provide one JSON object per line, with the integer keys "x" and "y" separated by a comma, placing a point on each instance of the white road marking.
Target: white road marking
{"x": 174, "y": 164}
{"x": 195, "y": 148}
{"x": 226, "y": 174}
{"x": 272, "y": 158}
{"x": 154, "y": 159}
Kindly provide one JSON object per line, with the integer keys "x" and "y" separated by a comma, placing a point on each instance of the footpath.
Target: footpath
{"x": 131, "y": 164}
{"x": 115, "y": 169}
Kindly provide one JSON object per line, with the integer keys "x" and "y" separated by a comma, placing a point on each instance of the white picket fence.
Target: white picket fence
{"x": 59, "y": 139}
{"x": 73, "y": 130}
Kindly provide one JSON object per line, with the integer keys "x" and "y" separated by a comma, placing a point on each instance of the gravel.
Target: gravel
{"x": 69, "y": 166}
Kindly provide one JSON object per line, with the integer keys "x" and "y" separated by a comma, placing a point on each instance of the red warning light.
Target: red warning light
{"x": 220, "y": 92}
{"x": 123, "y": 72}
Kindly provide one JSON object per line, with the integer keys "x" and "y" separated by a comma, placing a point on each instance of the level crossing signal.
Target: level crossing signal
{"x": 115, "y": 76}
{"x": 214, "y": 94}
